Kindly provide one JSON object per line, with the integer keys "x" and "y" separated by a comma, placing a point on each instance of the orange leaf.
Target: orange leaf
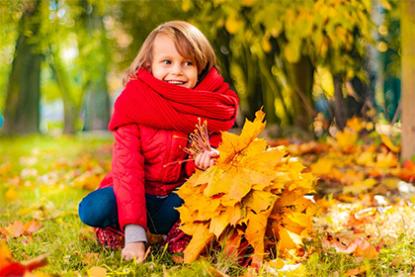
{"x": 5, "y": 255}
{"x": 356, "y": 124}
{"x": 9, "y": 267}
{"x": 32, "y": 227}
{"x": 15, "y": 229}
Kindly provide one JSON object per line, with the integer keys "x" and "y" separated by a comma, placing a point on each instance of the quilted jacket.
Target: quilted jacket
{"x": 146, "y": 161}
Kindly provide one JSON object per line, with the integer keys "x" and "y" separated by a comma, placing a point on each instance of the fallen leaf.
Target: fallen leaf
{"x": 97, "y": 271}
{"x": 389, "y": 144}
{"x": 9, "y": 267}
{"x": 32, "y": 227}
{"x": 16, "y": 229}
{"x": 356, "y": 271}
{"x": 10, "y": 194}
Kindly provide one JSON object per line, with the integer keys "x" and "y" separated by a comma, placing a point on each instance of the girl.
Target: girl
{"x": 171, "y": 83}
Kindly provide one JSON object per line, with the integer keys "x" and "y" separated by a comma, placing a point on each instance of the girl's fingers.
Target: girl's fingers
{"x": 213, "y": 153}
{"x": 206, "y": 160}
{"x": 127, "y": 256}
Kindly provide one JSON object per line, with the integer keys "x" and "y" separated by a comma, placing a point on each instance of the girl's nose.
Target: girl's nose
{"x": 177, "y": 69}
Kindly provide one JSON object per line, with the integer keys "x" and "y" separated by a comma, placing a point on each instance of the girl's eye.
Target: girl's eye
{"x": 189, "y": 63}
{"x": 166, "y": 61}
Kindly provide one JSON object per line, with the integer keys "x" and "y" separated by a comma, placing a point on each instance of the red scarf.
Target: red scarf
{"x": 158, "y": 104}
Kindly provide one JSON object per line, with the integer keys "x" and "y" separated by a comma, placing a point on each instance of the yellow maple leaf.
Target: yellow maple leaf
{"x": 235, "y": 197}
{"x": 356, "y": 124}
{"x": 366, "y": 158}
{"x": 288, "y": 239}
{"x": 300, "y": 219}
{"x": 360, "y": 186}
{"x": 186, "y": 214}
{"x": 260, "y": 201}
{"x": 255, "y": 232}
{"x": 387, "y": 160}
{"x": 322, "y": 167}
{"x": 200, "y": 239}
{"x": 235, "y": 214}
{"x": 219, "y": 223}
{"x": 189, "y": 227}
{"x": 346, "y": 140}
{"x": 232, "y": 145}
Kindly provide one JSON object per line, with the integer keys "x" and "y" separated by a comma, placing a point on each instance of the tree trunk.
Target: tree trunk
{"x": 360, "y": 101}
{"x": 96, "y": 104}
{"x": 340, "y": 107}
{"x": 270, "y": 92}
{"x": 22, "y": 111}
{"x": 408, "y": 78}
{"x": 252, "y": 81}
{"x": 300, "y": 76}
{"x": 70, "y": 109}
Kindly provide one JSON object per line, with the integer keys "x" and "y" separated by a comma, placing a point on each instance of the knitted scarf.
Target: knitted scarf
{"x": 158, "y": 104}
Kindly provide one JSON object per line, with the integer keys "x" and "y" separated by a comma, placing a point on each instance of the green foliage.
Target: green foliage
{"x": 258, "y": 43}
{"x": 388, "y": 39}
{"x": 132, "y": 21}
{"x": 270, "y": 36}
{"x": 10, "y": 12}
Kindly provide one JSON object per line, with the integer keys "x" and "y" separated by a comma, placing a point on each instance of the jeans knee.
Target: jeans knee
{"x": 85, "y": 214}
{"x": 99, "y": 208}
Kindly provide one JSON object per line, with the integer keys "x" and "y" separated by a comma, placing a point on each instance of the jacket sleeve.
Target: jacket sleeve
{"x": 128, "y": 176}
{"x": 215, "y": 138}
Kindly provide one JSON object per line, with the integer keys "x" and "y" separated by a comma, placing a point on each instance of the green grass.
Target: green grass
{"x": 71, "y": 246}
{"x": 37, "y": 182}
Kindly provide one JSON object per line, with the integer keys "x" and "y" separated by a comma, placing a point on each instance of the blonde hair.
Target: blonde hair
{"x": 190, "y": 42}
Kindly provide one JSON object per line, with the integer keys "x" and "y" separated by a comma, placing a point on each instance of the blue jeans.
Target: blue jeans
{"x": 99, "y": 209}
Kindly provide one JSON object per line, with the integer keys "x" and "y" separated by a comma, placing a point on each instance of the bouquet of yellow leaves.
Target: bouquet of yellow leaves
{"x": 254, "y": 194}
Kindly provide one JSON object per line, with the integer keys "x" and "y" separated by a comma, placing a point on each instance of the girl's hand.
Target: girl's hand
{"x": 206, "y": 159}
{"x": 134, "y": 250}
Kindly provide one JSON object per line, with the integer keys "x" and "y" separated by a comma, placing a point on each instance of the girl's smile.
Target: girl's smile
{"x": 168, "y": 65}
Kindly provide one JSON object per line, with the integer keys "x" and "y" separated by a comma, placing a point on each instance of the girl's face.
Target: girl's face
{"x": 168, "y": 65}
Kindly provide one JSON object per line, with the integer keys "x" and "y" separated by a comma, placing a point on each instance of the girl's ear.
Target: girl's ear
{"x": 147, "y": 66}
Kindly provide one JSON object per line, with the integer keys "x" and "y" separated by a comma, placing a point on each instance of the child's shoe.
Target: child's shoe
{"x": 110, "y": 237}
{"x": 177, "y": 240}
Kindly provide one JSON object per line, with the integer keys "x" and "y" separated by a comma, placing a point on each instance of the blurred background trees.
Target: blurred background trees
{"x": 309, "y": 63}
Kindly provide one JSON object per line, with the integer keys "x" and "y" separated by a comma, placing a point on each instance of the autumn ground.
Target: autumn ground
{"x": 364, "y": 224}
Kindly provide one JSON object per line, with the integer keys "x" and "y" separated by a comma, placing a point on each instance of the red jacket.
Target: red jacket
{"x": 145, "y": 160}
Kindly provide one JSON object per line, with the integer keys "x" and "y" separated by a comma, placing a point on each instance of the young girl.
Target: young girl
{"x": 171, "y": 84}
